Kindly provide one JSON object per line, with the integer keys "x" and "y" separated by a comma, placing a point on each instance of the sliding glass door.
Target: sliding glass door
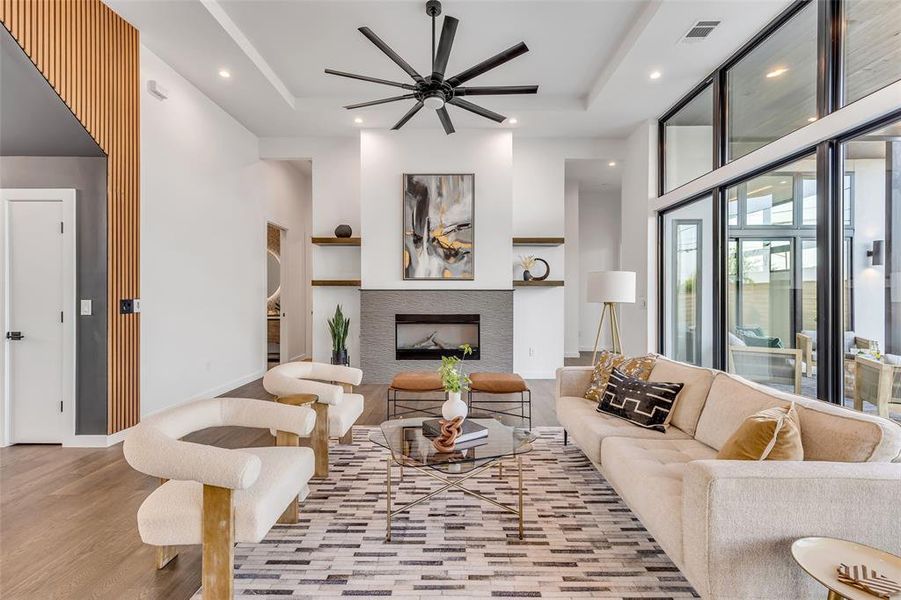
{"x": 688, "y": 307}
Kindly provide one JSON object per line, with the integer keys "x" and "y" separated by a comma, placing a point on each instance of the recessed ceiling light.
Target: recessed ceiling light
{"x": 655, "y": 74}
{"x": 776, "y": 72}
{"x": 224, "y": 74}
{"x": 513, "y": 121}
{"x": 612, "y": 163}
{"x": 358, "y": 120}
{"x": 811, "y": 119}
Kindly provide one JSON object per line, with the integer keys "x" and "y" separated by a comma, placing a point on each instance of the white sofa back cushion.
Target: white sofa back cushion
{"x": 828, "y": 432}
{"x": 691, "y": 399}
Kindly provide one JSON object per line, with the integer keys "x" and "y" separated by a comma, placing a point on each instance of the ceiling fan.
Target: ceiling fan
{"x": 434, "y": 91}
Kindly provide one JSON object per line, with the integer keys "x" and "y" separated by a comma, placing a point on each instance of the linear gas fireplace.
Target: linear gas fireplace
{"x": 429, "y": 337}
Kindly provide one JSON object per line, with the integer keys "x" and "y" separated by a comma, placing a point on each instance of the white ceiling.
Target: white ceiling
{"x": 595, "y": 176}
{"x": 591, "y": 58}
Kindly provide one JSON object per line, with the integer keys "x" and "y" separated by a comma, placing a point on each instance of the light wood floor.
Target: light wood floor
{"x": 67, "y": 515}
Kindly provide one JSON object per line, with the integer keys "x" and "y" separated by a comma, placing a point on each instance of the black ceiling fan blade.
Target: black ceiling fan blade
{"x": 482, "y": 112}
{"x": 487, "y": 65}
{"x": 408, "y": 116}
{"x": 445, "y": 120}
{"x": 381, "y": 45}
{"x": 382, "y": 101}
{"x": 496, "y": 90}
{"x": 405, "y": 86}
{"x": 448, "y": 31}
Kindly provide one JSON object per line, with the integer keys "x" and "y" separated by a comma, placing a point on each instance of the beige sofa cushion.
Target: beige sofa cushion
{"x": 828, "y": 432}
{"x": 648, "y": 476}
{"x": 691, "y": 399}
{"x": 588, "y": 428}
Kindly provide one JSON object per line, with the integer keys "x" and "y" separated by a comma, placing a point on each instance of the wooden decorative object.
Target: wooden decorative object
{"x": 450, "y": 431}
{"x": 90, "y": 56}
{"x": 868, "y": 580}
{"x": 218, "y": 543}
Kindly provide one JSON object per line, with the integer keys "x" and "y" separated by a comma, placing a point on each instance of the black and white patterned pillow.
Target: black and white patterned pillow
{"x": 646, "y": 403}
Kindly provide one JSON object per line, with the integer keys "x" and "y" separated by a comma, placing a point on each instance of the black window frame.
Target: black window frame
{"x": 830, "y": 231}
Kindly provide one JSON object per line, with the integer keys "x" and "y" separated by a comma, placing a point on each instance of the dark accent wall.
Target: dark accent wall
{"x": 377, "y": 344}
{"x": 87, "y": 176}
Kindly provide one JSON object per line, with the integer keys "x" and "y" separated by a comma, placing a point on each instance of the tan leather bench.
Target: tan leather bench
{"x": 500, "y": 384}
{"x": 413, "y": 382}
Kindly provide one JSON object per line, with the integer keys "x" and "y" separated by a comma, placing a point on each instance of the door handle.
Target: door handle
{"x": 14, "y": 335}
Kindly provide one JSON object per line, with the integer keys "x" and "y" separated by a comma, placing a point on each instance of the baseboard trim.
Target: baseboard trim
{"x": 95, "y": 441}
{"x": 539, "y": 374}
{"x": 571, "y": 354}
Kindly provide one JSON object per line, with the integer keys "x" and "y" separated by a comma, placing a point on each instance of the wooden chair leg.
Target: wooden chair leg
{"x": 348, "y": 438}
{"x": 291, "y": 514}
{"x": 218, "y": 543}
{"x": 319, "y": 440}
{"x": 165, "y": 555}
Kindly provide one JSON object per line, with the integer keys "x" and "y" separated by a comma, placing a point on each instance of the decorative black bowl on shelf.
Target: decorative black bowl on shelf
{"x": 343, "y": 231}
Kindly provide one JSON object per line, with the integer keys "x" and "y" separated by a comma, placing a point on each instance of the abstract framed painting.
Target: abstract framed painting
{"x": 438, "y": 233}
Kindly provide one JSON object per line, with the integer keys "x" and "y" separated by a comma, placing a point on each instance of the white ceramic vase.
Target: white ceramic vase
{"x": 453, "y": 406}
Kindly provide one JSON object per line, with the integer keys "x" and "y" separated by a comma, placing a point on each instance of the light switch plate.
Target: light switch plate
{"x": 87, "y": 308}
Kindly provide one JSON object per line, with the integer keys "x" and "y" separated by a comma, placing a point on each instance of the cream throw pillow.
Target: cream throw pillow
{"x": 771, "y": 434}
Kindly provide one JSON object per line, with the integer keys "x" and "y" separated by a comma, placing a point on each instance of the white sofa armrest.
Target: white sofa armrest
{"x": 150, "y": 451}
{"x": 311, "y": 378}
{"x": 573, "y": 381}
{"x": 739, "y": 519}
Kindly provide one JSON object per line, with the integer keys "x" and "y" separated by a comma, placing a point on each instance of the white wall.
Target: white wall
{"x": 599, "y": 243}
{"x": 572, "y": 291}
{"x": 638, "y": 248}
{"x": 869, "y": 225}
{"x": 287, "y": 194}
{"x": 205, "y": 199}
{"x": 386, "y": 155}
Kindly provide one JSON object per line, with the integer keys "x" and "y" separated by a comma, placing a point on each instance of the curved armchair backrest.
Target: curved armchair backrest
{"x": 308, "y": 378}
{"x": 154, "y": 447}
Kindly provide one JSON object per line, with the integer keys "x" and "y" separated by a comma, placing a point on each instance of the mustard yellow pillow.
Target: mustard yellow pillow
{"x": 771, "y": 434}
{"x": 638, "y": 367}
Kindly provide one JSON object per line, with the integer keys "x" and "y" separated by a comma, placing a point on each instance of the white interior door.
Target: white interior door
{"x": 39, "y": 319}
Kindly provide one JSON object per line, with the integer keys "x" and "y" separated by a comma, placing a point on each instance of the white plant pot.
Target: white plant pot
{"x": 454, "y": 406}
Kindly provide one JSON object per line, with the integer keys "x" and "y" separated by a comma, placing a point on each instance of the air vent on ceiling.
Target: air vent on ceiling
{"x": 699, "y": 31}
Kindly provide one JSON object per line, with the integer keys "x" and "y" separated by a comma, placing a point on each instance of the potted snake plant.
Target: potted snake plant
{"x": 339, "y": 326}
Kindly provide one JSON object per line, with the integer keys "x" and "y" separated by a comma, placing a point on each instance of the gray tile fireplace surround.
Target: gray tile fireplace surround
{"x": 378, "y": 308}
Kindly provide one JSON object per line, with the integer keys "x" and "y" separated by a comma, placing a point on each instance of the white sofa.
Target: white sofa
{"x": 217, "y": 496}
{"x": 729, "y": 525}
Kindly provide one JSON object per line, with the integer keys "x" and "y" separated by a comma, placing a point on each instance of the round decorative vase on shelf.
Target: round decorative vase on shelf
{"x": 454, "y": 406}
{"x": 340, "y": 357}
{"x": 527, "y": 276}
{"x": 343, "y": 231}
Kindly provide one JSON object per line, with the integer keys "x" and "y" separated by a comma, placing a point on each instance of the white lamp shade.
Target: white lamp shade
{"x": 611, "y": 286}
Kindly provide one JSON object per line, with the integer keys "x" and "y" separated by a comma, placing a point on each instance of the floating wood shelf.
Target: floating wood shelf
{"x": 336, "y": 241}
{"x": 542, "y": 283}
{"x": 538, "y": 241}
{"x": 335, "y": 283}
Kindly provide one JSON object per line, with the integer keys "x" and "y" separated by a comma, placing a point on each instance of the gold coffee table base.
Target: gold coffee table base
{"x": 454, "y": 484}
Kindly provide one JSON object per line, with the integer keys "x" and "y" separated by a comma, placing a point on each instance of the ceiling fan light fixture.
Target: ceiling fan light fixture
{"x": 434, "y": 101}
{"x": 435, "y": 91}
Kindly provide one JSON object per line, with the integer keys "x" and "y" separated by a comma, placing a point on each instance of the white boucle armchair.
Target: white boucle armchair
{"x": 337, "y": 405}
{"x": 216, "y": 496}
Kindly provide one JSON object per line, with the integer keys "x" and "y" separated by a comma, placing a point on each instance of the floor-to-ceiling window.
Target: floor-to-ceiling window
{"x": 802, "y": 246}
{"x": 771, "y": 277}
{"x": 871, "y": 357}
{"x": 688, "y": 137}
{"x": 688, "y": 305}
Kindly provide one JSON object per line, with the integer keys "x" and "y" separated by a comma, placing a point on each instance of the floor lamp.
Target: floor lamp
{"x": 610, "y": 288}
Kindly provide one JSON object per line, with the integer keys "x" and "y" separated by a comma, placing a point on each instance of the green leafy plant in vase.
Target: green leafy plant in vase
{"x": 454, "y": 381}
{"x": 339, "y": 326}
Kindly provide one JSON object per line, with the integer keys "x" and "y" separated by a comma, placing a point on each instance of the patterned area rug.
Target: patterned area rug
{"x": 581, "y": 540}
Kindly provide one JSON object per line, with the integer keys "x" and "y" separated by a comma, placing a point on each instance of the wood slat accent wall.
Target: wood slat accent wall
{"x": 91, "y": 57}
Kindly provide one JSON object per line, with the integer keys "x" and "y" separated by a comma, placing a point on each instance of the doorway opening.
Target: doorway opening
{"x": 276, "y": 278}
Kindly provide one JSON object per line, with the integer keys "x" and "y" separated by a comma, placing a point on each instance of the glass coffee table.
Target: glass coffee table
{"x": 409, "y": 448}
